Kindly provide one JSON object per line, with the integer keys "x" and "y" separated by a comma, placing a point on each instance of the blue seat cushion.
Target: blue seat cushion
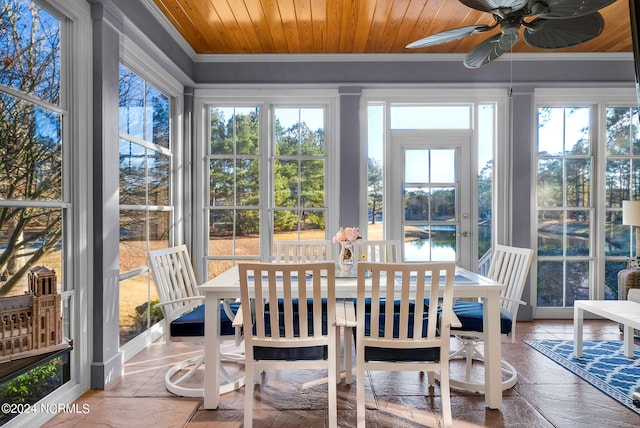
{"x": 296, "y": 323}
{"x": 293, "y": 353}
{"x": 192, "y": 323}
{"x": 296, "y": 303}
{"x": 394, "y": 354}
{"x": 470, "y": 316}
{"x": 396, "y": 316}
{"x": 290, "y": 354}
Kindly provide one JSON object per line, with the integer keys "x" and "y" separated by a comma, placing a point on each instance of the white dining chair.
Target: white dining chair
{"x": 404, "y": 322}
{"x": 292, "y": 251}
{"x": 288, "y": 314}
{"x": 509, "y": 266}
{"x": 382, "y": 250}
{"x": 183, "y": 311}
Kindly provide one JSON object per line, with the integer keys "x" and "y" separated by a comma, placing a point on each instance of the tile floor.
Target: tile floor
{"x": 546, "y": 395}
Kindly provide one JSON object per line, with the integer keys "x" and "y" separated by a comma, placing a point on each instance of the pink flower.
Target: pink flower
{"x": 347, "y": 235}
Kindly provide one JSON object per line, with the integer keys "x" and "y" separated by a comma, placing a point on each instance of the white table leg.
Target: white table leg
{"x": 492, "y": 350}
{"x": 628, "y": 341}
{"x": 338, "y": 361}
{"x": 348, "y": 335}
{"x": 211, "y": 351}
{"x": 578, "y": 315}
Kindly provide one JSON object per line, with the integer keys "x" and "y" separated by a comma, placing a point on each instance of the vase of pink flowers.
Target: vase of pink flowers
{"x": 345, "y": 237}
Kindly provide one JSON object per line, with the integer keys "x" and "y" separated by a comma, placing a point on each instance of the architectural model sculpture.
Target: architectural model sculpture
{"x": 31, "y": 324}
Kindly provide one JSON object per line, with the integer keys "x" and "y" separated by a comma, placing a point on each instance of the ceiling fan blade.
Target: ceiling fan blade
{"x": 563, "y": 33}
{"x": 490, "y": 49}
{"x": 449, "y": 36}
{"x": 560, "y": 9}
{"x": 491, "y": 5}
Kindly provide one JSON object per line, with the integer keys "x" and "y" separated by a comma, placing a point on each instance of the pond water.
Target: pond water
{"x": 438, "y": 243}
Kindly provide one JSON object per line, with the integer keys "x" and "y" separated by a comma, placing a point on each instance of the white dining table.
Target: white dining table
{"x": 467, "y": 284}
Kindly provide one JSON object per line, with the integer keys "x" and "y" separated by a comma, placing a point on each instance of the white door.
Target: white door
{"x": 430, "y": 196}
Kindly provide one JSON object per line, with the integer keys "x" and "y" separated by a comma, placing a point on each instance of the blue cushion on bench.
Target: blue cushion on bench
{"x": 192, "y": 323}
{"x": 470, "y": 316}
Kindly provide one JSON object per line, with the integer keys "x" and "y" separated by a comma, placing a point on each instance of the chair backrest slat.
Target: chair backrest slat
{"x": 407, "y": 285}
{"x": 383, "y": 250}
{"x": 510, "y": 266}
{"x": 175, "y": 280}
{"x": 287, "y": 291}
{"x": 289, "y": 251}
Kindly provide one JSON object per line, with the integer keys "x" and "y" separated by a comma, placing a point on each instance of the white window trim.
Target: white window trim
{"x": 272, "y": 96}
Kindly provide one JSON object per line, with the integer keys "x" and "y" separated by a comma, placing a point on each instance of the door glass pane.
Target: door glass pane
{"x": 443, "y": 204}
{"x": 430, "y": 243}
{"x": 428, "y": 203}
{"x": 443, "y": 166}
{"x": 416, "y": 204}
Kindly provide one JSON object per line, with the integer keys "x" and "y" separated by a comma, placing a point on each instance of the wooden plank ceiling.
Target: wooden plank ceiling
{"x": 350, "y": 26}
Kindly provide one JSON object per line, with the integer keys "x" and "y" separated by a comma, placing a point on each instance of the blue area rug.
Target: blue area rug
{"x": 603, "y": 365}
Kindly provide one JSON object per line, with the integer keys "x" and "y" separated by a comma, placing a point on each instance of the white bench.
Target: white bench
{"x": 625, "y": 312}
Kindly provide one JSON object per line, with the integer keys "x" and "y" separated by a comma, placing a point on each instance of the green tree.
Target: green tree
{"x": 374, "y": 188}
{"x": 299, "y": 177}
{"x": 30, "y": 138}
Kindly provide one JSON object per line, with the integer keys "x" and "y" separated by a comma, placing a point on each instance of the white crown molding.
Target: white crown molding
{"x": 440, "y": 57}
{"x": 168, "y": 26}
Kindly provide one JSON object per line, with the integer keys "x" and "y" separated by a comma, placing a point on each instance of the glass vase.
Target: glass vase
{"x": 346, "y": 258}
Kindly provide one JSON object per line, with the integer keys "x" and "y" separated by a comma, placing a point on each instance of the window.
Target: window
{"x": 234, "y": 185}
{"x": 622, "y": 182}
{"x": 33, "y": 200}
{"x": 146, "y": 210}
{"x": 409, "y": 120}
{"x": 299, "y": 170}
{"x": 266, "y": 176}
{"x": 42, "y": 131}
{"x": 564, "y": 205}
{"x": 486, "y": 141}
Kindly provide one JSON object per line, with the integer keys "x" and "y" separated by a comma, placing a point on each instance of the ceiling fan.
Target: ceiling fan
{"x": 557, "y": 24}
